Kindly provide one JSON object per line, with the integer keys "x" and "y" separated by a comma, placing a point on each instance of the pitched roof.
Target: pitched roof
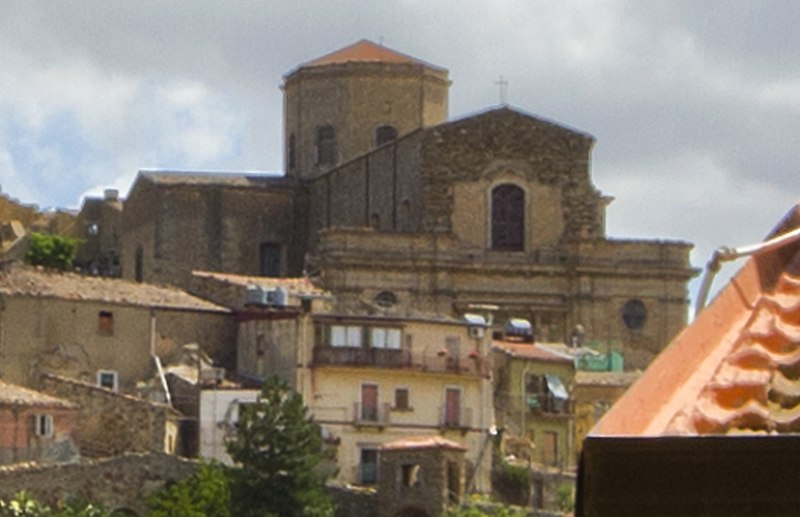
{"x": 363, "y": 51}
{"x": 23, "y": 280}
{"x": 423, "y": 442}
{"x": 534, "y": 351}
{"x": 11, "y": 394}
{"x": 207, "y": 178}
{"x": 734, "y": 369}
{"x": 298, "y": 286}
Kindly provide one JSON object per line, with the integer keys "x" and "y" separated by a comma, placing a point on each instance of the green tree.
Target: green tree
{"x": 53, "y": 251}
{"x": 207, "y": 492}
{"x": 277, "y": 448}
{"x": 24, "y": 505}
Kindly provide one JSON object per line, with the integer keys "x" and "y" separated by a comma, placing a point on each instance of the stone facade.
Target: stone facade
{"x": 355, "y": 91}
{"x": 98, "y": 228}
{"x": 174, "y": 224}
{"x": 420, "y": 478}
{"x": 110, "y": 424}
{"x": 424, "y": 217}
{"x": 122, "y": 483}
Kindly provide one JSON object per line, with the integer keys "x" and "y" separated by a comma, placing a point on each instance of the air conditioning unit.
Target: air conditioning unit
{"x": 277, "y": 297}
{"x": 255, "y": 295}
{"x": 477, "y": 332}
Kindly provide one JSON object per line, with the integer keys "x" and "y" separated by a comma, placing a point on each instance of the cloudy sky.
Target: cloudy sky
{"x": 694, "y": 104}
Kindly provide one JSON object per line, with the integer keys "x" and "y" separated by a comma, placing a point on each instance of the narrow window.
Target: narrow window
{"x": 107, "y": 379}
{"x": 368, "y": 467}
{"x": 369, "y": 403}
{"x": 550, "y": 448}
{"x": 292, "y": 153}
{"x": 452, "y": 409}
{"x": 401, "y": 399}
{"x": 138, "y": 272}
{"x": 508, "y": 218}
{"x": 385, "y": 134}
{"x": 411, "y": 475}
{"x": 270, "y": 259}
{"x": 326, "y": 145}
{"x": 43, "y": 425}
{"x": 105, "y": 323}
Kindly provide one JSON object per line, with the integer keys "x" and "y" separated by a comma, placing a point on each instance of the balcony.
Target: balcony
{"x": 352, "y": 356}
{"x": 369, "y": 415}
{"x": 461, "y": 418}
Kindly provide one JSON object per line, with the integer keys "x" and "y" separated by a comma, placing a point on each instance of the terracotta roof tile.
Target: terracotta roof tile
{"x": 533, "y": 351}
{"x": 423, "y": 442}
{"x": 11, "y": 394}
{"x": 363, "y": 51}
{"x": 734, "y": 370}
{"x": 298, "y": 286}
{"x": 37, "y": 282}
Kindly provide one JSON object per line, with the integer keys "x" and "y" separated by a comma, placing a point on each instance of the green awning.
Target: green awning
{"x": 556, "y": 387}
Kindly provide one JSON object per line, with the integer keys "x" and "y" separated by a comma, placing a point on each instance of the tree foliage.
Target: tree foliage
{"x": 277, "y": 448}
{"x": 24, "y": 505}
{"x": 52, "y": 251}
{"x": 205, "y": 493}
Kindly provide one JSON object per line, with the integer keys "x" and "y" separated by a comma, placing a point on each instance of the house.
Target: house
{"x": 103, "y": 331}
{"x": 384, "y": 202}
{"x": 367, "y": 378}
{"x": 35, "y": 427}
{"x": 97, "y": 228}
{"x": 110, "y": 424}
{"x": 710, "y": 428}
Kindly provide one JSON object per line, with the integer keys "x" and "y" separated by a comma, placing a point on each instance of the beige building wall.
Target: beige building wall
{"x": 74, "y": 338}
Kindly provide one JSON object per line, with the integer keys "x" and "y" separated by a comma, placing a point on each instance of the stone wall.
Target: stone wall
{"x": 122, "y": 482}
{"x": 111, "y": 423}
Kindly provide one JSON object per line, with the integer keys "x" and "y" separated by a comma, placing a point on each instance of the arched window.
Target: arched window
{"x": 326, "y": 145}
{"x": 385, "y": 134}
{"x": 508, "y": 218}
{"x": 292, "y": 154}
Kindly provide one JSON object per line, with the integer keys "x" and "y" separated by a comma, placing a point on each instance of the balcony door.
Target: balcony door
{"x": 452, "y": 407}
{"x": 369, "y": 402}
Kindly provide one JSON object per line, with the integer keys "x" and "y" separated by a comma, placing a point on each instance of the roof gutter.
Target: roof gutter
{"x": 725, "y": 254}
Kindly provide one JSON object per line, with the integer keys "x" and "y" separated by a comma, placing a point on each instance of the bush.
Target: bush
{"x": 51, "y": 251}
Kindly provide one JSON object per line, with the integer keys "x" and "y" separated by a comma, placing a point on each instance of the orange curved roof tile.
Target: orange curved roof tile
{"x": 735, "y": 369}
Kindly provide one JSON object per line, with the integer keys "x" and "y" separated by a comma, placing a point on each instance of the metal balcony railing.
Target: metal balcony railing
{"x": 351, "y": 356}
{"x": 367, "y": 414}
{"x": 460, "y": 418}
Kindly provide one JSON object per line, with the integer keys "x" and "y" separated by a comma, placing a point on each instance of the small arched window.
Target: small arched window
{"x": 326, "y": 145}
{"x": 385, "y": 134}
{"x": 292, "y": 153}
{"x": 508, "y": 218}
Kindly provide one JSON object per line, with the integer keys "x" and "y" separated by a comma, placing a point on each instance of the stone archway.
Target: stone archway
{"x": 412, "y": 511}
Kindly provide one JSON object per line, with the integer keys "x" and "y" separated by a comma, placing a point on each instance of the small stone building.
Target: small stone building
{"x": 35, "y": 427}
{"x": 420, "y": 477}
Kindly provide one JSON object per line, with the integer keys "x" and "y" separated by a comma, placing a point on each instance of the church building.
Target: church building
{"x": 395, "y": 209}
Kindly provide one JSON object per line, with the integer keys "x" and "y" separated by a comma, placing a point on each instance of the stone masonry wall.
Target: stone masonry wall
{"x": 122, "y": 482}
{"x": 110, "y": 423}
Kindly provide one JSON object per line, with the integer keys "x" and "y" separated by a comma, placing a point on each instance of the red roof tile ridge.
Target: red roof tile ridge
{"x": 776, "y": 358}
{"x": 362, "y": 51}
{"x": 710, "y": 418}
{"x": 729, "y": 374}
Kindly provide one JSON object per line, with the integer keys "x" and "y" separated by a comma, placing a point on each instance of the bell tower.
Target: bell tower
{"x": 350, "y": 101}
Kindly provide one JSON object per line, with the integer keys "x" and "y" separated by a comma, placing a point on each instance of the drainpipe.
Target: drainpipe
{"x": 156, "y": 360}
{"x": 725, "y": 254}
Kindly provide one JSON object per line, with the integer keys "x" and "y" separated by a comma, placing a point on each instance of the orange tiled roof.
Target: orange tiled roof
{"x": 29, "y": 281}
{"x": 734, "y": 370}
{"x": 363, "y": 51}
{"x": 298, "y": 286}
{"x": 11, "y": 394}
{"x": 423, "y": 442}
{"x": 534, "y": 351}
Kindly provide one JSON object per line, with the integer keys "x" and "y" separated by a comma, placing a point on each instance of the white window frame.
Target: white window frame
{"x": 114, "y": 374}
{"x": 43, "y": 425}
{"x": 346, "y": 336}
{"x": 385, "y": 337}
